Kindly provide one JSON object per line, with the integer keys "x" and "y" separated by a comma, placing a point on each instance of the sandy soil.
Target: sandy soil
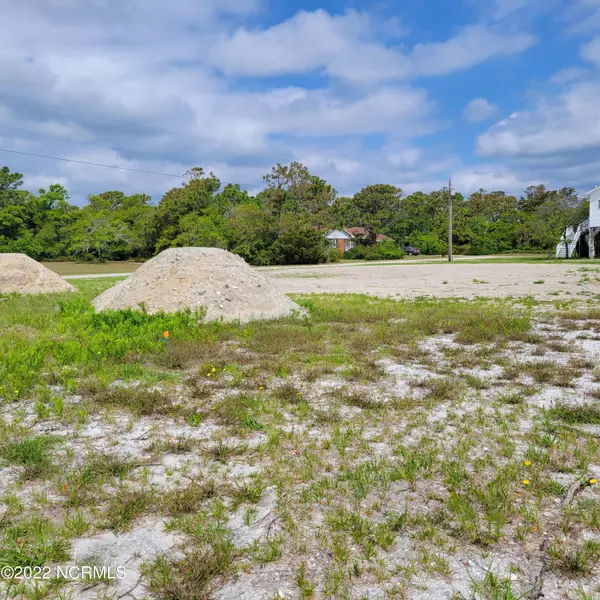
{"x": 443, "y": 280}
{"x": 189, "y": 278}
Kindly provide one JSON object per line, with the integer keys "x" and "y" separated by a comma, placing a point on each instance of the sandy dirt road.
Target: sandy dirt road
{"x": 443, "y": 280}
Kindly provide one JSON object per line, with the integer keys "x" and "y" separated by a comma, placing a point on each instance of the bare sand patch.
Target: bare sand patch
{"x": 443, "y": 280}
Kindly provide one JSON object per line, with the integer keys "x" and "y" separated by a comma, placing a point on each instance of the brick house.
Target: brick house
{"x": 345, "y": 239}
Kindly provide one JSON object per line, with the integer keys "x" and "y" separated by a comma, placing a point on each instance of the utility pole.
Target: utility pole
{"x": 450, "y": 259}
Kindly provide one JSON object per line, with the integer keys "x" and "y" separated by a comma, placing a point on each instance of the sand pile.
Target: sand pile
{"x": 21, "y": 274}
{"x": 179, "y": 278}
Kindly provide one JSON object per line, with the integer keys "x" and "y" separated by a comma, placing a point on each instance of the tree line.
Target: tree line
{"x": 283, "y": 224}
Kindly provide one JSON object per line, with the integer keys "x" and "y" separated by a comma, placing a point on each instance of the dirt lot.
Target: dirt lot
{"x": 544, "y": 281}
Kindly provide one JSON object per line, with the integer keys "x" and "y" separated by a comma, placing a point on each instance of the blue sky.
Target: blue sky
{"x": 499, "y": 94}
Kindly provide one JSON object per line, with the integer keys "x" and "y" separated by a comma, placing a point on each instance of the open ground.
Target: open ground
{"x": 470, "y": 277}
{"x": 374, "y": 448}
{"x": 463, "y": 279}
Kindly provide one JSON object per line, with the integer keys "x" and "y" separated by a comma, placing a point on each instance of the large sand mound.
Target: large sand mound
{"x": 21, "y": 274}
{"x": 179, "y": 278}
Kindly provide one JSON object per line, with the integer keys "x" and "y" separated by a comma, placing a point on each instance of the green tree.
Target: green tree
{"x": 10, "y": 183}
{"x": 292, "y": 190}
{"x": 378, "y": 206}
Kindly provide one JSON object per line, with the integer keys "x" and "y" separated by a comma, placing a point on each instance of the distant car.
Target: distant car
{"x": 411, "y": 250}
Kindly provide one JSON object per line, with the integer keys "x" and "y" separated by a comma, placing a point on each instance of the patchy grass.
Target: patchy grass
{"x": 33, "y": 454}
{"x": 583, "y": 413}
{"x": 373, "y": 443}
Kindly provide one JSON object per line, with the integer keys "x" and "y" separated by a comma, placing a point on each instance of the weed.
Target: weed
{"x": 359, "y": 399}
{"x": 267, "y": 552}
{"x": 32, "y": 542}
{"x": 75, "y": 525}
{"x": 250, "y": 492}
{"x": 288, "y": 392}
{"x": 189, "y": 499}
{"x": 136, "y": 399}
{"x": 32, "y": 454}
{"x": 576, "y": 414}
{"x": 222, "y": 452}
{"x": 574, "y": 558}
{"x": 492, "y": 587}
{"x": 193, "y": 577}
{"x": 306, "y": 587}
{"x": 125, "y": 506}
{"x": 239, "y": 410}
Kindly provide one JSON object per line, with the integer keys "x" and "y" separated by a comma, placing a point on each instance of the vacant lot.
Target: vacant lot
{"x": 444, "y": 280}
{"x": 107, "y": 268}
{"x": 373, "y": 449}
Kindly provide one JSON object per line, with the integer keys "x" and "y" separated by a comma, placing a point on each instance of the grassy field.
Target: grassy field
{"x": 372, "y": 449}
{"x": 86, "y": 268}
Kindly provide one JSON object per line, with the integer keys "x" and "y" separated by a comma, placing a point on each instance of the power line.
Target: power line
{"x": 118, "y": 121}
{"x": 83, "y": 162}
{"x": 86, "y": 114}
{"x": 58, "y": 137}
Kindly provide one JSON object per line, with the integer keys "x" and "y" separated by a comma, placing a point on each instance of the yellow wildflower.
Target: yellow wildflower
{"x": 214, "y": 369}
{"x": 527, "y": 463}
{"x": 525, "y": 481}
{"x": 593, "y": 481}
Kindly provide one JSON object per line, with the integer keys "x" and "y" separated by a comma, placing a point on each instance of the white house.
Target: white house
{"x": 340, "y": 239}
{"x": 345, "y": 239}
{"x": 594, "y": 220}
{"x": 585, "y": 240}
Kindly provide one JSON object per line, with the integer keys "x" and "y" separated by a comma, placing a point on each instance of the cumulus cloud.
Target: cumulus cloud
{"x": 344, "y": 47}
{"x": 557, "y": 138}
{"x": 590, "y": 51}
{"x": 479, "y": 109}
{"x": 491, "y": 178}
{"x": 140, "y": 80}
{"x": 583, "y": 16}
{"x": 504, "y": 8}
{"x": 567, "y": 122}
{"x": 472, "y": 46}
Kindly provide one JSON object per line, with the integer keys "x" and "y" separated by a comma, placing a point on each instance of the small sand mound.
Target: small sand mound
{"x": 179, "y": 278}
{"x": 21, "y": 274}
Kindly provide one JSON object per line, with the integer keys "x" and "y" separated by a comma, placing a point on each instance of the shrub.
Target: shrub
{"x": 304, "y": 246}
{"x": 386, "y": 250}
{"x": 430, "y": 243}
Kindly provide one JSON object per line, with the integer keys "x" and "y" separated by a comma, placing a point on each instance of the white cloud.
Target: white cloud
{"x": 564, "y": 123}
{"x": 149, "y": 62}
{"x": 591, "y": 51}
{"x": 569, "y": 75}
{"x": 408, "y": 157}
{"x": 557, "y": 138}
{"x": 472, "y": 46}
{"x": 344, "y": 47}
{"x": 504, "y": 8}
{"x": 479, "y": 109}
{"x": 583, "y": 16}
{"x": 490, "y": 178}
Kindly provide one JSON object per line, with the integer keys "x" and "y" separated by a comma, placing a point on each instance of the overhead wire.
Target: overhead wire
{"x": 109, "y": 119}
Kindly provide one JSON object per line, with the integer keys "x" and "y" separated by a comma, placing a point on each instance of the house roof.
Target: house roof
{"x": 362, "y": 231}
{"x": 592, "y": 191}
{"x": 335, "y": 234}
